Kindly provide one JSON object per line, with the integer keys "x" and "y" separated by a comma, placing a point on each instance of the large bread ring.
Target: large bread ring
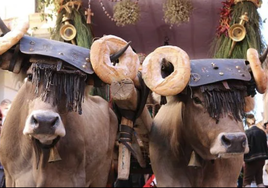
{"x": 100, "y": 52}
{"x": 177, "y": 80}
{"x": 259, "y": 74}
{"x": 12, "y": 37}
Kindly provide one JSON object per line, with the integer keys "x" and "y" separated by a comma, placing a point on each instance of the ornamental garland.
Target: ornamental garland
{"x": 126, "y": 13}
{"x": 177, "y": 11}
{"x": 231, "y": 14}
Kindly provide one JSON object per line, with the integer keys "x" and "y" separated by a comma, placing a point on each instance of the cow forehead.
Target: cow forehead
{"x": 207, "y": 71}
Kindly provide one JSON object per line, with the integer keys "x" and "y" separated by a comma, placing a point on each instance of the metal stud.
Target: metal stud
{"x": 87, "y": 60}
{"x": 237, "y": 67}
{"x": 60, "y": 53}
{"x": 32, "y": 43}
{"x": 31, "y": 50}
{"x": 214, "y": 66}
{"x": 84, "y": 65}
{"x": 221, "y": 73}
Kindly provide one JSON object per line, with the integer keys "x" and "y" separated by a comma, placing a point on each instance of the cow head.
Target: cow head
{"x": 53, "y": 93}
{"x": 209, "y": 115}
{"x": 55, "y": 81}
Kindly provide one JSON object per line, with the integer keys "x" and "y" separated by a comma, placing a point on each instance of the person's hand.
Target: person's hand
{"x": 243, "y": 165}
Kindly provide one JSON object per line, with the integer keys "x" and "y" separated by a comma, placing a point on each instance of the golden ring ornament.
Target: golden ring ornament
{"x": 67, "y": 30}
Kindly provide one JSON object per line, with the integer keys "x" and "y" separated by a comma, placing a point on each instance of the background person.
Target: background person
{"x": 4, "y": 107}
{"x": 258, "y": 153}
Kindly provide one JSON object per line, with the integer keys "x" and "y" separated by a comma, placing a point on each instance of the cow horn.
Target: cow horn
{"x": 101, "y": 59}
{"x": 175, "y": 82}
{"x": 259, "y": 74}
{"x": 3, "y": 27}
{"x": 13, "y": 37}
{"x": 264, "y": 55}
{"x": 119, "y": 53}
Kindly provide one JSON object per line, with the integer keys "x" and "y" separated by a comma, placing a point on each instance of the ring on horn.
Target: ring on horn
{"x": 259, "y": 74}
{"x": 13, "y": 37}
{"x": 173, "y": 83}
{"x": 107, "y": 71}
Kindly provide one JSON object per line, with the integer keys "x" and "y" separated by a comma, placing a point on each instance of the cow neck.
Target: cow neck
{"x": 39, "y": 147}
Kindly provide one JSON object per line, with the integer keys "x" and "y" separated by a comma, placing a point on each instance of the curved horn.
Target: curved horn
{"x": 12, "y": 37}
{"x": 175, "y": 82}
{"x": 3, "y": 27}
{"x": 101, "y": 61}
{"x": 259, "y": 74}
{"x": 119, "y": 53}
{"x": 264, "y": 55}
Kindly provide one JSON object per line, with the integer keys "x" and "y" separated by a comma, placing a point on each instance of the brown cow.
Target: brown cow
{"x": 198, "y": 138}
{"x": 86, "y": 145}
{"x": 44, "y": 142}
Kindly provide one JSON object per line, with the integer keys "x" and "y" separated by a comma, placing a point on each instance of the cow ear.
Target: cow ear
{"x": 185, "y": 91}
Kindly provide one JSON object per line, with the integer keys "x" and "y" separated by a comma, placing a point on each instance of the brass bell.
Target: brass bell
{"x": 237, "y": 32}
{"x": 67, "y": 31}
{"x": 54, "y": 155}
{"x": 195, "y": 160}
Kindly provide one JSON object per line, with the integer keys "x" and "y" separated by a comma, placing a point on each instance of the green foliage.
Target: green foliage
{"x": 84, "y": 37}
{"x": 42, "y": 4}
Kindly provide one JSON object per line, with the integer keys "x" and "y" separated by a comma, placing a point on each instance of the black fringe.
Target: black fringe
{"x": 220, "y": 101}
{"x": 65, "y": 83}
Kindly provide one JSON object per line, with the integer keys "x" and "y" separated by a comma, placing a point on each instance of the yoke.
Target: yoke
{"x": 207, "y": 71}
{"x": 72, "y": 54}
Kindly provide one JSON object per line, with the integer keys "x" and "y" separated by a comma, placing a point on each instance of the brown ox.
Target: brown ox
{"x": 85, "y": 147}
{"x": 198, "y": 138}
{"x": 44, "y": 142}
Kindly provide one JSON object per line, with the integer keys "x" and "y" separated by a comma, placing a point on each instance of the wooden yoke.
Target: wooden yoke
{"x": 126, "y": 97}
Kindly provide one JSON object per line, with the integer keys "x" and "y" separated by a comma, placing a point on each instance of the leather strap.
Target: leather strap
{"x": 125, "y": 137}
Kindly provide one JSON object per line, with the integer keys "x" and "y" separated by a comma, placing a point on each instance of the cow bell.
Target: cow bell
{"x": 54, "y": 155}
{"x": 195, "y": 160}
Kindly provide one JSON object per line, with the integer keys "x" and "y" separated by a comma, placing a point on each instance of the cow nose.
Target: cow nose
{"x": 44, "y": 121}
{"x": 234, "y": 143}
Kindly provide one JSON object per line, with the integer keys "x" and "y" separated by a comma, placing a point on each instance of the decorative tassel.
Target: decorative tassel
{"x": 69, "y": 83}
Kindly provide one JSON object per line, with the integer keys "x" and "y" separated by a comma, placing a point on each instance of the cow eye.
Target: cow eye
{"x": 29, "y": 77}
{"x": 197, "y": 100}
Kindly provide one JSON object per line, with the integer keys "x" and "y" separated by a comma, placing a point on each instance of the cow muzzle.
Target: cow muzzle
{"x": 228, "y": 144}
{"x": 44, "y": 125}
